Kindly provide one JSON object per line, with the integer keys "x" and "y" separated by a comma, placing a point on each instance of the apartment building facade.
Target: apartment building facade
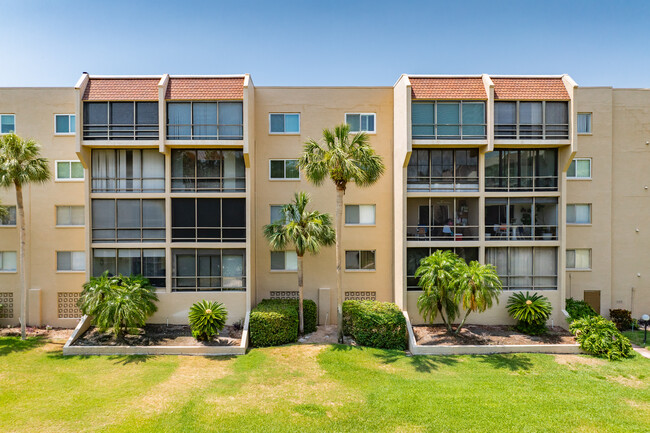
{"x": 174, "y": 177}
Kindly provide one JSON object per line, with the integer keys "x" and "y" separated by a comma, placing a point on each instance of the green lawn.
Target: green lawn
{"x": 636, "y": 337}
{"x": 318, "y": 388}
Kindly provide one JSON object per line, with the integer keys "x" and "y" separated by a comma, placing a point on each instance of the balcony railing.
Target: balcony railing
{"x": 531, "y": 132}
{"x": 426, "y": 183}
{"x": 521, "y": 183}
{"x": 209, "y": 184}
{"x": 120, "y": 132}
{"x": 193, "y": 131}
{"x": 507, "y": 232}
{"x": 449, "y": 132}
{"x": 442, "y": 233}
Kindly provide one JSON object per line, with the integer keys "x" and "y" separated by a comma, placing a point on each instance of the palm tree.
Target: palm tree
{"x": 438, "y": 277}
{"x": 344, "y": 158}
{"x": 478, "y": 286}
{"x": 20, "y": 164}
{"x": 306, "y": 231}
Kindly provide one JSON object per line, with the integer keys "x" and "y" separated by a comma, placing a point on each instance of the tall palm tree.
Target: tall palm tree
{"x": 344, "y": 158}
{"x": 478, "y": 286}
{"x": 21, "y": 164}
{"x": 305, "y": 231}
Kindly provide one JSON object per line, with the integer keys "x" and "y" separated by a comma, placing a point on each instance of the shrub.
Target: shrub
{"x": 375, "y": 324}
{"x": 622, "y": 318}
{"x": 578, "y": 309}
{"x": 273, "y": 323}
{"x": 118, "y": 303}
{"x": 600, "y": 337}
{"x": 530, "y": 311}
{"x": 310, "y": 311}
{"x": 207, "y": 319}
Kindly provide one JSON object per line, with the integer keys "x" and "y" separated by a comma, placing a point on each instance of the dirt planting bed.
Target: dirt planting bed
{"x": 487, "y": 335}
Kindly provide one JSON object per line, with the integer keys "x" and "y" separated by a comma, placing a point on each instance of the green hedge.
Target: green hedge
{"x": 309, "y": 310}
{"x": 578, "y": 310}
{"x": 375, "y": 324}
{"x": 600, "y": 337}
{"x": 273, "y": 324}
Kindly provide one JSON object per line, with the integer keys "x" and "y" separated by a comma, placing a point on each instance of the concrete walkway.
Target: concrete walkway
{"x": 640, "y": 350}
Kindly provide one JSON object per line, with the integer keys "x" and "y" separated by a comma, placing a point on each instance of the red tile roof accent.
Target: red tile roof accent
{"x": 121, "y": 89}
{"x": 530, "y": 89}
{"x": 447, "y": 88}
{"x": 205, "y": 88}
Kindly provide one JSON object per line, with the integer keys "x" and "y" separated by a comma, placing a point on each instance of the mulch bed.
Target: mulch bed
{"x": 487, "y": 335}
{"x": 55, "y": 334}
{"x": 159, "y": 335}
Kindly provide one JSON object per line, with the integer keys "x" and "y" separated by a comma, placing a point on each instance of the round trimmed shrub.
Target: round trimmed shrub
{"x": 310, "y": 311}
{"x": 207, "y": 319}
{"x": 273, "y": 324}
{"x": 375, "y": 324}
{"x": 530, "y": 311}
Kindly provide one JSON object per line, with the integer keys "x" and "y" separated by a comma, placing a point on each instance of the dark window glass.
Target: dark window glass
{"x": 122, "y": 113}
{"x": 95, "y": 113}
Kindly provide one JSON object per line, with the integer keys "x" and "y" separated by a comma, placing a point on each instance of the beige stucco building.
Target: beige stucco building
{"x": 174, "y": 177}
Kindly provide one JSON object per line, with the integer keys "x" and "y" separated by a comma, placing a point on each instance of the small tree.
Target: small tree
{"x": 344, "y": 158}
{"x": 478, "y": 286}
{"x": 21, "y": 164}
{"x": 306, "y": 231}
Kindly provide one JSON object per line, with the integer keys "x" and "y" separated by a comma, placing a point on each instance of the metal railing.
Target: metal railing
{"x": 442, "y": 233}
{"x": 513, "y": 232}
{"x": 214, "y": 283}
{"x": 521, "y": 183}
{"x": 209, "y": 234}
{"x": 193, "y": 131}
{"x": 209, "y": 184}
{"x": 120, "y": 132}
{"x": 531, "y": 132}
{"x": 128, "y": 234}
{"x": 432, "y": 131}
{"x": 128, "y": 184}
{"x": 426, "y": 183}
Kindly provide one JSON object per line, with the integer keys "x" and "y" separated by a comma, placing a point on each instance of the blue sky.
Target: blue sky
{"x": 49, "y": 43}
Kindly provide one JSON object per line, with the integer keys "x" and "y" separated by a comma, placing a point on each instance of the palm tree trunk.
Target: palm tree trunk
{"x": 462, "y": 322}
{"x": 23, "y": 284}
{"x": 339, "y": 275}
{"x": 301, "y": 314}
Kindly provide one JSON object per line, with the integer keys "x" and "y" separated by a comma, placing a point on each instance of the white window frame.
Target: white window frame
{"x": 70, "y": 123}
{"x": 70, "y": 179}
{"x": 56, "y": 215}
{"x": 7, "y": 206}
{"x": 580, "y": 204}
{"x": 580, "y": 178}
{"x": 285, "y": 178}
{"x": 285, "y": 124}
{"x": 345, "y": 265}
{"x": 374, "y": 223}
{"x": 7, "y": 114}
{"x": 69, "y": 271}
{"x": 579, "y": 269}
{"x": 284, "y": 253}
{"x": 8, "y": 271}
{"x": 374, "y": 115}
{"x": 591, "y": 126}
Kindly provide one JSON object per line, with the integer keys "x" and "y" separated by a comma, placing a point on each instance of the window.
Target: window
{"x": 415, "y": 255}
{"x": 584, "y": 123}
{"x": 120, "y": 121}
{"x": 284, "y": 123}
{"x": 64, "y": 124}
{"x": 209, "y": 170}
{"x": 521, "y": 170}
{"x": 464, "y": 120}
{"x": 521, "y": 219}
{"x": 276, "y": 213}
{"x": 223, "y": 120}
{"x": 7, "y": 261}
{"x": 361, "y": 122}
{"x": 70, "y": 261}
{"x": 7, "y": 123}
{"x": 9, "y": 217}
{"x": 526, "y": 120}
{"x": 360, "y": 260}
{"x": 69, "y": 170}
{"x": 208, "y": 270}
{"x": 525, "y": 268}
{"x": 360, "y": 214}
{"x": 442, "y": 219}
{"x": 128, "y": 170}
{"x": 443, "y": 170}
{"x": 150, "y": 263}
{"x": 580, "y": 168}
{"x": 284, "y": 169}
{"x": 208, "y": 220}
{"x": 578, "y": 214}
{"x": 284, "y": 261}
{"x": 128, "y": 220}
{"x": 578, "y": 259}
{"x": 70, "y": 216}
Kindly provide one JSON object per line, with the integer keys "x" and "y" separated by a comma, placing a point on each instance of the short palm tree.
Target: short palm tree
{"x": 477, "y": 287}
{"x": 343, "y": 158}
{"x": 305, "y": 231}
{"x": 21, "y": 164}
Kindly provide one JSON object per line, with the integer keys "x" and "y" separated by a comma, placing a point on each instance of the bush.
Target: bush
{"x": 273, "y": 323}
{"x": 530, "y": 311}
{"x": 118, "y": 303}
{"x": 622, "y": 319}
{"x": 600, "y": 337}
{"x": 578, "y": 309}
{"x": 375, "y": 324}
{"x": 207, "y": 319}
{"x": 309, "y": 310}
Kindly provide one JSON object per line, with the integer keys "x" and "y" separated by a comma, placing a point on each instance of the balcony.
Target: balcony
{"x": 448, "y": 120}
{"x": 531, "y": 120}
{"x": 443, "y": 170}
{"x": 442, "y": 219}
{"x": 521, "y": 219}
{"x": 120, "y": 121}
{"x": 521, "y": 170}
{"x": 205, "y": 121}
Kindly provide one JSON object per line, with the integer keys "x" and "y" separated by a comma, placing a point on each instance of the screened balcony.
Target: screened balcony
{"x": 120, "y": 121}
{"x": 205, "y": 120}
{"x": 521, "y": 219}
{"x": 531, "y": 120}
{"x": 521, "y": 170}
{"x": 442, "y": 219}
{"x": 459, "y": 120}
{"x": 443, "y": 170}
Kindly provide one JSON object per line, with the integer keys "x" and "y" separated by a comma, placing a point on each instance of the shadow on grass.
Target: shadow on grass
{"x": 15, "y": 344}
{"x": 345, "y": 347}
{"x": 421, "y": 363}
{"x": 130, "y": 359}
{"x": 512, "y": 362}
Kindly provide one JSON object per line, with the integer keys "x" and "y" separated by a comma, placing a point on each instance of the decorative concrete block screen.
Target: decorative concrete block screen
{"x": 67, "y": 305}
{"x": 360, "y": 296}
{"x": 284, "y": 294}
{"x": 7, "y": 302}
